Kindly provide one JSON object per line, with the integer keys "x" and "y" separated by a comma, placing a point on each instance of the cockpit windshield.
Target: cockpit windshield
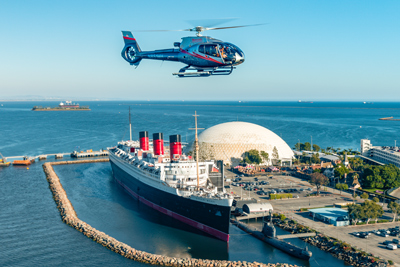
{"x": 229, "y": 51}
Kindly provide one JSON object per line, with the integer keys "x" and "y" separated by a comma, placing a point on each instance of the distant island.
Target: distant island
{"x": 68, "y": 105}
{"x": 389, "y": 119}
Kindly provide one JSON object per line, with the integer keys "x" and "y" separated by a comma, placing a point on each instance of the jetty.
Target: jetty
{"x": 27, "y": 160}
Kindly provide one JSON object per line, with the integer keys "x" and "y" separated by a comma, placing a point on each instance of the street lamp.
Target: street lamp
{"x": 384, "y": 196}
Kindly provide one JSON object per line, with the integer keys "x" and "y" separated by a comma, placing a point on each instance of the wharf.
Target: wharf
{"x": 27, "y": 160}
{"x": 101, "y": 153}
{"x": 251, "y": 216}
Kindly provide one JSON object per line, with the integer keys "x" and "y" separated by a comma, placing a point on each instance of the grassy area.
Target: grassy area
{"x": 280, "y": 196}
{"x": 372, "y": 190}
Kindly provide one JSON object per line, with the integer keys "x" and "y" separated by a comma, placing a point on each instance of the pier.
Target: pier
{"x": 23, "y": 160}
{"x": 251, "y": 216}
{"x": 101, "y": 153}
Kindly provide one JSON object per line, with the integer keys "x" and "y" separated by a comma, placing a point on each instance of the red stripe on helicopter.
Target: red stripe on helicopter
{"x": 129, "y": 38}
{"x": 201, "y": 57}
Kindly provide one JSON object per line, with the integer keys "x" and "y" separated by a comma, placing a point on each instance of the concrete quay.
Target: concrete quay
{"x": 69, "y": 216}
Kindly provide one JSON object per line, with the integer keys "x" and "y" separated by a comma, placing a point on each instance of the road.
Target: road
{"x": 291, "y": 207}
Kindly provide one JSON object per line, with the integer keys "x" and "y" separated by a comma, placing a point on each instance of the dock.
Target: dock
{"x": 251, "y": 216}
{"x": 27, "y": 160}
{"x": 101, "y": 153}
{"x": 295, "y": 235}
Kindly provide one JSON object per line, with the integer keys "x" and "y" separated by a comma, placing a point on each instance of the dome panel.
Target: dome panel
{"x": 228, "y": 141}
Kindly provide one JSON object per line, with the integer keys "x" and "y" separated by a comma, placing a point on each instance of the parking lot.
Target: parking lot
{"x": 290, "y": 207}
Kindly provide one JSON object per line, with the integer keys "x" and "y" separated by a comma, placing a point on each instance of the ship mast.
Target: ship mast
{"x": 130, "y": 125}
{"x": 196, "y": 141}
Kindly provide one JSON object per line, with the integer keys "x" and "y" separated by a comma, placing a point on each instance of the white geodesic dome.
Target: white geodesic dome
{"x": 229, "y": 141}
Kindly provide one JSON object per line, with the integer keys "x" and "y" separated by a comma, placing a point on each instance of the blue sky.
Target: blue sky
{"x": 309, "y": 50}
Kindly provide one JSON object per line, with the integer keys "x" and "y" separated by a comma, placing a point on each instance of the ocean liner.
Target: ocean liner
{"x": 173, "y": 183}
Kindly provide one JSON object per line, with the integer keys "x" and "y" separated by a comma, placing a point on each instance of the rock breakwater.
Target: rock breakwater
{"x": 69, "y": 216}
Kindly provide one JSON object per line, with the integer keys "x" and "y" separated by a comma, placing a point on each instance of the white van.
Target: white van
{"x": 391, "y": 246}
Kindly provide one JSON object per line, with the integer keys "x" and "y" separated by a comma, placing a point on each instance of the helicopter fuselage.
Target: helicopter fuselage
{"x": 201, "y": 53}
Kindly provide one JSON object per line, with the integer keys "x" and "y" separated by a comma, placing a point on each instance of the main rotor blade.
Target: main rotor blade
{"x": 206, "y": 23}
{"x": 162, "y": 30}
{"x": 222, "y": 28}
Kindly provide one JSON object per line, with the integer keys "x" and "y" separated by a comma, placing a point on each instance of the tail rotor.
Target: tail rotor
{"x": 131, "y": 49}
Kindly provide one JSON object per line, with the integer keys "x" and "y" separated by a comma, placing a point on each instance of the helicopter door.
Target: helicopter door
{"x": 210, "y": 50}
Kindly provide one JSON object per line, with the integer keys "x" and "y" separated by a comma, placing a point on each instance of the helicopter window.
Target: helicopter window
{"x": 211, "y": 50}
{"x": 201, "y": 49}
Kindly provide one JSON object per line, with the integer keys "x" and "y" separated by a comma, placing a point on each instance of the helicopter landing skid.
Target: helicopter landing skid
{"x": 187, "y": 72}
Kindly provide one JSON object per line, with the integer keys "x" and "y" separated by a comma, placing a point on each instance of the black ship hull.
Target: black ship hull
{"x": 210, "y": 218}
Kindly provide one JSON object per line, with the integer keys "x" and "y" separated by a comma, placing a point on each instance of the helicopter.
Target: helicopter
{"x": 203, "y": 55}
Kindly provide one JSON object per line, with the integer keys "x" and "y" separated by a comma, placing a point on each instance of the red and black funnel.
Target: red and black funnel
{"x": 175, "y": 146}
{"x": 144, "y": 140}
{"x": 158, "y": 143}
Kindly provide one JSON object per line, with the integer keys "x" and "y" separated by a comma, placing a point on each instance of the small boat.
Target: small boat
{"x": 22, "y": 162}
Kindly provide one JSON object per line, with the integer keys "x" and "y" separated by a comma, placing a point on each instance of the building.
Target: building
{"x": 257, "y": 208}
{"x": 334, "y": 216}
{"x": 380, "y": 154}
{"x": 229, "y": 142}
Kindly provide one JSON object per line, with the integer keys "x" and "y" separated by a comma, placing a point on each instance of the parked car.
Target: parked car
{"x": 256, "y": 179}
{"x": 301, "y": 189}
{"x": 396, "y": 241}
{"x": 309, "y": 189}
{"x": 363, "y": 235}
{"x": 384, "y": 234}
{"x": 391, "y": 246}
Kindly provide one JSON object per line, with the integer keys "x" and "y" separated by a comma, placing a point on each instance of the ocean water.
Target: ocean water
{"x": 30, "y": 226}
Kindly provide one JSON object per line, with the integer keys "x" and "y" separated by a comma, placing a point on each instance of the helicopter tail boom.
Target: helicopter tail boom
{"x": 131, "y": 48}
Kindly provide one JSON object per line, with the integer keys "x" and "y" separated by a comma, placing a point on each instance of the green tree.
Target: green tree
{"x": 297, "y": 146}
{"x": 342, "y": 187}
{"x": 318, "y": 179}
{"x": 265, "y": 156}
{"x": 364, "y": 195}
{"x": 387, "y": 176}
{"x": 372, "y": 210}
{"x": 375, "y": 199}
{"x": 315, "y": 158}
{"x": 356, "y": 163}
{"x": 253, "y": 157}
{"x": 394, "y": 208}
{"x": 316, "y": 148}
{"x": 275, "y": 154}
{"x": 340, "y": 170}
{"x": 307, "y": 146}
{"x": 356, "y": 213}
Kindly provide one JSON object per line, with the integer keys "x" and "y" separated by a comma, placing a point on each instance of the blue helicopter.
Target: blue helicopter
{"x": 204, "y": 56}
